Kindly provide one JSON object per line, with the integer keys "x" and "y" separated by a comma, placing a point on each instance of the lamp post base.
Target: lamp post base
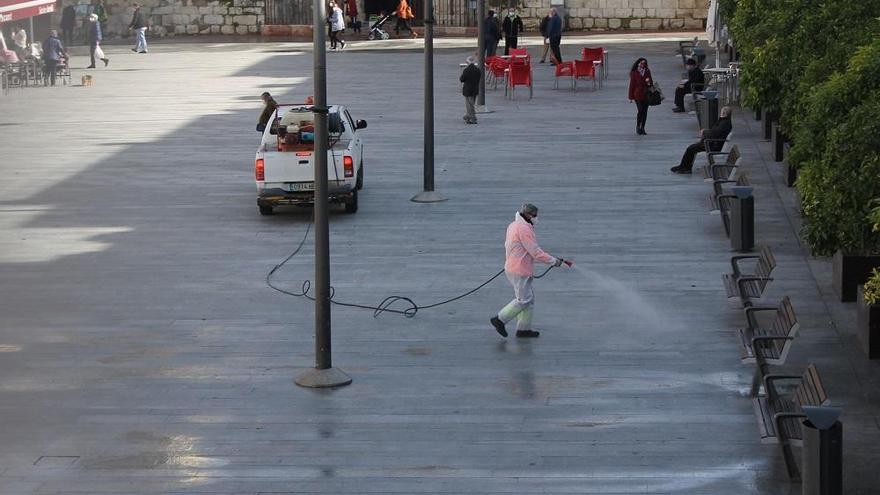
{"x": 482, "y": 109}
{"x": 428, "y": 197}
{"x": 330, "y": 377}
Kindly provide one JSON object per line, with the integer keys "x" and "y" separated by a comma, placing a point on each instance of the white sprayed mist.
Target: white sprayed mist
{"x": 633, "y": 304}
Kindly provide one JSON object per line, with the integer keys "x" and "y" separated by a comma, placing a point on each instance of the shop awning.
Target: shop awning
{"x": 15, "y": 10}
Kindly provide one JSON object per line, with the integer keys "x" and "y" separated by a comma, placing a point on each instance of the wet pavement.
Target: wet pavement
{"x": 142, "y": 352}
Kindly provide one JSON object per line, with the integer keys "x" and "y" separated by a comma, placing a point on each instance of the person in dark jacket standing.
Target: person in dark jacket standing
{"x": 68, "y": 20}
{"x": 511, "y": 26}
{"x": 695, "y": 81}
{"x": 639, "y": 82}
{"x": 53, "y": 53}
{"x": 470, "y": 77}
{"x": 491, "y": 33}
{"x": 545, "y": 23}
{"x": 710, "y": 140}
{"x": 95, "y": 36}
{"x": 269, "y": 106}
{"x": 554, "y": 33}
{"x": 139, "y": 25}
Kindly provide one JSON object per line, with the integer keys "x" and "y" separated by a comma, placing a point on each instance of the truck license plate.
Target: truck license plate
{"x": 302, "y": 186}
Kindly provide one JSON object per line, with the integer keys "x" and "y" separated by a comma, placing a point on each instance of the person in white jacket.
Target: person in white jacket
{"x": 337, "y": 26}
{"x": 521, "y": 251}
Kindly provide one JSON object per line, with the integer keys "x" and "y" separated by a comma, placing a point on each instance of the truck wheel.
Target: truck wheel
{"x": 265, "y": 210}
{"x": 351, "y": 206}
{"x": 360, "y": 179}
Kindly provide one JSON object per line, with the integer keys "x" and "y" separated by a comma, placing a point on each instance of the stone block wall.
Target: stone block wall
{"x": 600, "y": 15}
{"x": 175, "y": 17}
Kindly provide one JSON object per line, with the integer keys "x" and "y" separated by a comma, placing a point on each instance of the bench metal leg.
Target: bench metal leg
{"x": 794, "y": 474}
{"x": 756, "y": 384}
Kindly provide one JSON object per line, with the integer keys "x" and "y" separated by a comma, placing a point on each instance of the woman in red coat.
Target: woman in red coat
{"x": 351, "y": 9}
{"x": 639, "y": 82}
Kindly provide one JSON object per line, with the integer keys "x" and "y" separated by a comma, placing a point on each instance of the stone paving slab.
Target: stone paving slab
{"x": 141, "y": 351}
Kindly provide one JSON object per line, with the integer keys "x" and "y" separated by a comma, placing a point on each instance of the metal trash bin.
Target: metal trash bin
{"x": 742, "y": 220}
{"x": 822, "y": 452}
{"x": 707, "y": 109}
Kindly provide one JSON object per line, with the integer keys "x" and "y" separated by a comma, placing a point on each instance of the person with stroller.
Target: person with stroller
{"x": 337, "y": 26}
{"x": 95, "y": 36}
{"x": 404, "y": 14}
{"x": 53, "y": 55}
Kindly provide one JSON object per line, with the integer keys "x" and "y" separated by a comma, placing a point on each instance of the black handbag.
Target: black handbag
{"x": 654, "y": 95}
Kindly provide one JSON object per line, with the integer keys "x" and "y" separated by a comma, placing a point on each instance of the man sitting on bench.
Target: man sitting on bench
{"x": 695, "y": 81}
{"x": 710, "y": 140}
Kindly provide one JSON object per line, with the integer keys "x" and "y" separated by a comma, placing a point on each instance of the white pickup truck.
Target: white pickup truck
{"x": 284, "y": 164}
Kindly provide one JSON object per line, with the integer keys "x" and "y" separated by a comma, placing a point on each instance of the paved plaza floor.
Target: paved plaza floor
{"x": 142, "y": 353}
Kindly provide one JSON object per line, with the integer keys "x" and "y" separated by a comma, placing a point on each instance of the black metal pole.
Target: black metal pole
{"x": 323, "y": 375}
{"x": 429, "y": 95}
{"x": 481, "y": 48}
{"x": 323, "y": 358}
{"x": 428, "y": 195}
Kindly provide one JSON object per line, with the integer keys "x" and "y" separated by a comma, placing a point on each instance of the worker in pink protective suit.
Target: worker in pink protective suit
{"x": 522, "y": 250}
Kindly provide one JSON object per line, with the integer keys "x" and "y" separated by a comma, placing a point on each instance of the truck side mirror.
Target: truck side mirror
{"x": 360, "y": 124}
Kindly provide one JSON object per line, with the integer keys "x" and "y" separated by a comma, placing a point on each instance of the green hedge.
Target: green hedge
{"x": 818, "y": 62}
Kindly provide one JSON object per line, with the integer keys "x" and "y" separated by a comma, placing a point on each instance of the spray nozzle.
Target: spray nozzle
{"x": 569, "y": 263}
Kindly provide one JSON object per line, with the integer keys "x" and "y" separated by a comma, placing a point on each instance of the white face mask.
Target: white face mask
{"x": 534, "y": 220}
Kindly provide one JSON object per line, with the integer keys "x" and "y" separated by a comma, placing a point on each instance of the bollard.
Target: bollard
{"x": 742, "y": 220}
{"x": 822, "y": 452}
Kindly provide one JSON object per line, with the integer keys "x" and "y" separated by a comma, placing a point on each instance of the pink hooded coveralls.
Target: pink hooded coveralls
{"x": 521, "y": 249}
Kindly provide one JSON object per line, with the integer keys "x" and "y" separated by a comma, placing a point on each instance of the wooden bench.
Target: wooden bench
{"x": 766, "y": 345}
{"x": 716, "y": 169}
{"x": 779, "y": 415}
{"x": 720, "y": 202}
{"x": 748, "y": 286}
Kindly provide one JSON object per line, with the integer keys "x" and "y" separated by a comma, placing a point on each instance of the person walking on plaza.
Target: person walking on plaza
{"x": 694, "y": 82}
{"x": 53, "y": 53}
{"x": 711, "y": 139}
{"x": 554, "y": 33}
{"x": 522, "y": 250}
{"x": 68, "y": 20}
{"x": 545, "y": 24}
{"x": 491, "y": 33}
{"x": 337, "y": 27}
{"x": 511, "y": 26}
{"x": 95, "y": 36}
{"x": 351, "y": 10}
{"x": 101, "y": 11}
{"x": 269, "y": 106}
{"x": 404, "y": 14}
{"x": 470, "y": 77}
{"x": 639, "y": 82}
{"x": 139, "y": 25}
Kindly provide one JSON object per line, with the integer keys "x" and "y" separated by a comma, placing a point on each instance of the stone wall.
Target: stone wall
{"x": 601, "y": 15}
{"x": 173, "y": 17}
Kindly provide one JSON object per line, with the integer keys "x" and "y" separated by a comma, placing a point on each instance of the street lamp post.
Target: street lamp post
{"x": 428, "y": 195}
{"x": 481, "y": 47}
{"x": 323, "y": 374}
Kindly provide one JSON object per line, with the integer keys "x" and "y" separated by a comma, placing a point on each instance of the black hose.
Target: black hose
{"x": 382, "y": 307}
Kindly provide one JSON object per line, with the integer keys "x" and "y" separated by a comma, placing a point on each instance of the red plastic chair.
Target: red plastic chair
{"x": 496, "y": 68}
{"x": 565, "y": 69}
{"x": 595, "y": 55}
{"x": 518, "y": 74}
{"x": 584, "y": 70}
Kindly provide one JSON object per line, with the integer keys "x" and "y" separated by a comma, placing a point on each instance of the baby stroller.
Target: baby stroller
{"x": 376, "y": 32}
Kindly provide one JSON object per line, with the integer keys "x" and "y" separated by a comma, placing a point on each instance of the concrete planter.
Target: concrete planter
{"x": 868, "y": 326}
{"x": 778, "y": 139}
{"x": 768, "y": 117}
{"x": 791, "y": 173}
{"x": 849, "y": 271}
